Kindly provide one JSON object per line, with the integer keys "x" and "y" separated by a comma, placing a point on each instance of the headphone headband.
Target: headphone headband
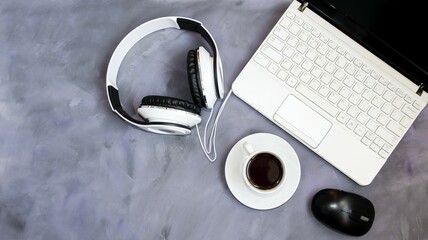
{"x": 139, "y": 33}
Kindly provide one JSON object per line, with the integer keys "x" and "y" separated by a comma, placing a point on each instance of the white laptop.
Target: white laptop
{"x": 346, "y": 78}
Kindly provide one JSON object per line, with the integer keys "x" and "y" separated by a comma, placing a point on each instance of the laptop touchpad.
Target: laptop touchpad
{"x": 302, "y": 121}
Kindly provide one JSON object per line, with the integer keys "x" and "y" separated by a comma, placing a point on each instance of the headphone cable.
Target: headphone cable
{"x": 211, "y": 147}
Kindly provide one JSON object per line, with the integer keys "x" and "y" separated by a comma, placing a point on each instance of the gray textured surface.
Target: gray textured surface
{"x": 71, "y": 169}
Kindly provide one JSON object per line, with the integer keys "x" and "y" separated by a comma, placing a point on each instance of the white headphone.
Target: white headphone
{"x": 168, "y": 115}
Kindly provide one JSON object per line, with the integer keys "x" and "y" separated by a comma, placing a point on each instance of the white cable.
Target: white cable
{"x": 211, "y": 139}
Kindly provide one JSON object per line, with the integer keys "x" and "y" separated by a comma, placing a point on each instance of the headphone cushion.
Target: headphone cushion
{"x": 194, "y": 78}
{"x": 170, "y": 102}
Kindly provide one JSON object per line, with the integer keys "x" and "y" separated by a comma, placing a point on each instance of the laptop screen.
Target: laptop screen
{"x": 394, "y": 30}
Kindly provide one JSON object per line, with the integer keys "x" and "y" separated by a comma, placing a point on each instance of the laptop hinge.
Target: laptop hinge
{"x": 303, "y": 6}
{"x": 420, "y": 89}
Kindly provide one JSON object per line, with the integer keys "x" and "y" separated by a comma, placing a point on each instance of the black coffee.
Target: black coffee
{"x": 264, "y": 171}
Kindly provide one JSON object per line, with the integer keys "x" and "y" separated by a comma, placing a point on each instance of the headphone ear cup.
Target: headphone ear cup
{"x": 169, "y": 110}
{"x": 194, "y": 78}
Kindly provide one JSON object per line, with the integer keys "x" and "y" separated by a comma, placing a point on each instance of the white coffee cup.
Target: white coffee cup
{"x": 263, "y": 171}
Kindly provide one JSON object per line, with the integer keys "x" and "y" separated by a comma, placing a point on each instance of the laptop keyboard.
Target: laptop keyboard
{"x": 365, "y": 103}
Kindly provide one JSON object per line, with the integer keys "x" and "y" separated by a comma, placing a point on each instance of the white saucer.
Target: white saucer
{"x": 235, "y": 164}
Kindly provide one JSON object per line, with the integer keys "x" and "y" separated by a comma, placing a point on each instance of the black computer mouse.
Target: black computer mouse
{"x": 343, "y": 211}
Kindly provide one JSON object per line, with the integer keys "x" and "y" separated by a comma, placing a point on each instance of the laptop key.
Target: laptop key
{"x": 262, "y": 60}
{"x": 372, "y": 125}
{"x": 282, "y": 75}
{"x": 294, "y": 29}
{"x": 305, "y": 77}
{"x": 281, "y": 33}
{"x": 342, "y": 118}
{"x": 370, "y": 136}
{"x": 379, "y": 142}
{"x": 285, "y": 22}
{"x": 290, "y": 15}
{"x": 292, "y": 41}
{"x": 405, "y": 122}
{"x": 307, "y": 26}
{"x": 299, "y": 21}
{"x": 334, "y": 98}
{"x": 324, "y": 91}
{"x": 387, "y": 148}
{"x": 273, "y": 68}
{"x": 274, "y": 55}
{"x": 374, "y": 147}
{"x": 417, "y": 105}
{"x": 288, "y": 51}
{"x": 383, "y": 153}
{"x": 386, "y": 135}
{"x": 360, "y": 130}
{"x": 409, "y": 111}
{"x": 276, "y": 43}
{"x": 351, "y": 124}
{"x": 395, "y": 128}
{"x": 292, "y": 82}
{"x": 365, "y": 141}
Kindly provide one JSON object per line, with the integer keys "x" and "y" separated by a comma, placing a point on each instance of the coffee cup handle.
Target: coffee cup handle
{"x": 248, "y": 148}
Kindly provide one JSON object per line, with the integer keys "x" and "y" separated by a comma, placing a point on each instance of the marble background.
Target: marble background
{"x": 71, "y": 169}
